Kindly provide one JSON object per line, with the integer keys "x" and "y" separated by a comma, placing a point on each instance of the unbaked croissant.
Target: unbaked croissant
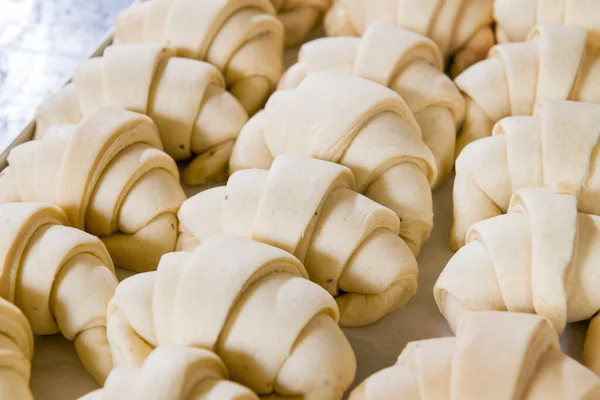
{"x": 554, "y": 64}
{"x": 360, "y": 124}
{"x": 348, "y": 243}
{"x": 557, "y": 146}
{"x": 461, "y": 28}
{"x": 495, "y": 356}
{"x": 110, "y": 177}
{"x": 248, "y": 302}
{"x": 196, "y": 117}
{"x": 406, "y": 62}
{"x": 173, "y": 372}
{"x": 16, "y": 351}
{"x": 60, "y": 277}
{"x": 242, "y": 38}
{"x": 300, "y": 18}
{"x": 542, "y": 257}
{"x": 515, "y": 18}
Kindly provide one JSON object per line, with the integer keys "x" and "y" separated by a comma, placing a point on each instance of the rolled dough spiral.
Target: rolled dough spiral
{"x": 176, "y": 373}
{"x": 60, "y": 277}
{"x": 242, "y": 38}
{"x": 300, "y": 18}
{"x": 110, "y": 177}
{"x": 357, "y": 123}
{"x": 348, "y": 243}
{"x": 495, "y": 356}
{"x": 553, "y": 64}
{"x": 197, "y": 118}
{"x": 406, "y": 62}
{"x": 461, "y": 28}
{"x": 16, "y": 351}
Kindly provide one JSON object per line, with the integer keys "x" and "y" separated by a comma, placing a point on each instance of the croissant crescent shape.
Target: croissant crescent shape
{"x": 539, "y": 258}
{"x": 495, "y": 355}
{"x": 300, "y": 18}
{"x": 555, "y": 147}
{"x": 60, "y": 277}
{"x": 461, "y": 28}
{"x": 242, "y": 38}
{"x": 197, "y": 118}
{"x": 406, "y": 62}
{"x": 16, "y": 352}
{"x": 110, "y": 177}
{"x": 359, "y": 124}
{"x": 173, "y": 372}
{"x": 554, "y": 64}
{"x": 348, "y": 243}
{"x": 515, "y": 18}
{"x": 248, "y": 302}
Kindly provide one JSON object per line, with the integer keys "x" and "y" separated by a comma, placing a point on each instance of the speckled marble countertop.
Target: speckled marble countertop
{"x": 41, "y": 43}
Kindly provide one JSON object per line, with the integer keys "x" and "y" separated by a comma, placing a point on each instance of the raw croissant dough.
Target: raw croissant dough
{"x": 357, "y": 123}
{"x": 346, "y": 241}
{"x": 461, "y": 28}
{"x": 406, "y": 62}
{"x": 554, "y": 64}
{"x": 300, "y": 18}
{"x": 60, "y": 277}
{"x": 196, "y": 117}
{"x": 110, "y": 177}
{"x": 250, "y": 303}
{"x": 176, "y": 373}
{"x": 515, "y": 18}
{"x": 557, "y": 146}
{"x": 242, "y": 38}
{"x": 16, "y": 351}
{"x": 542, "y": 257}
{"x": 494, "y": 356}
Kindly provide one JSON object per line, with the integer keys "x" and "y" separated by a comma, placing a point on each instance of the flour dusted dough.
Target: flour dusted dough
{"x": 495, "y": 356}
{"x": 406, "y": 62}
{"x": 250, "y": 303}
{"x": 242, "y": 38}
{"x": 196, "y": 117}
{"x": 348, "y": 243}
{"x": 554, "y": 64}
{"x": 300, "y": 18}
{"x": 173, "y": 372}
{"x": 60, "y": 277}
{"x": 110, "y": 177}
{"x": 555, "y": 147}
{"x": 16, "y": 351}
{"x": 542, "y": 257}
{"x": 360, "y": 124}
{"x": 461, "y": 28}
{"x": 515, "y": 18}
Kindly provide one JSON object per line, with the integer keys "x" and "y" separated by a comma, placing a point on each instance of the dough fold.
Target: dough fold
{"x": 242, "y": 38}
{"x": 495, "y": 355}
{"x": 16, "y": 352}
{"x": 556, "y": 147}
{"x": 553, "y": 64}
{"x": 461, "y": 28}
{"x": 110, "y": 177}
{"x": 198, "y": 120}
{"x": 60, "y": 277}
{"x": 300, "y": 18}
{"x": 348, "y": 243}
{"x": 173, "y": 372}
{"x": 542, "y": 257}
{"x": 406, "y": 62}
{"x": 248, "y": 302}
{"x": 515, "y": 18}
{"x": 359, "y": 124}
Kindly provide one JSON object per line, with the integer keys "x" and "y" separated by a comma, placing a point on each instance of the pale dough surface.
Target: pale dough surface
{"x": 58, "y": 374}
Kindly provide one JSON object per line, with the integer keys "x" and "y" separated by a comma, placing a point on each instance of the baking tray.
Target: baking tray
{"x": 58, "y": 374}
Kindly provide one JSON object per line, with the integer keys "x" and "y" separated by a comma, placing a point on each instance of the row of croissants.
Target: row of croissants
{"x": 241, "y": 290}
